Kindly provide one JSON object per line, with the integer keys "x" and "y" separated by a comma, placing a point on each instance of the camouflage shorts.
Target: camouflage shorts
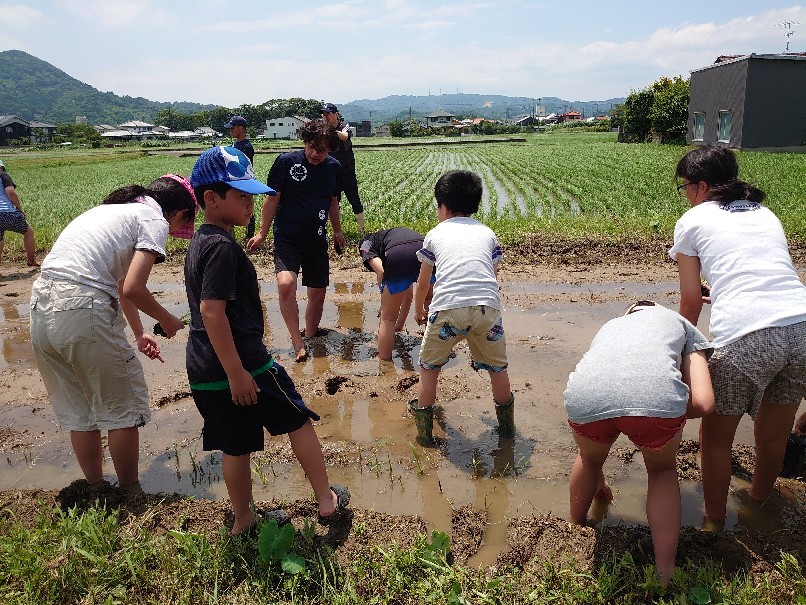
{"x": 768, "y": 365}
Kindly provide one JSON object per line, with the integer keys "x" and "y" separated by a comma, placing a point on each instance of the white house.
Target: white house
{"x": 136, "y": 127}
{"x": 283, "y": 128}
{"x": 439, "y": 119}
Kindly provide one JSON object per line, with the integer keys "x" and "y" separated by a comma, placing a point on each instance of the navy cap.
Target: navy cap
{"x": 227, "y": 165}
{"x": 235, "y": 121}
{"x": 329, "y": 108}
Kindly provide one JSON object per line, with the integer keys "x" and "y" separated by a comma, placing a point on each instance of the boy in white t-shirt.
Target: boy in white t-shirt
{"x": 465, "y": 304}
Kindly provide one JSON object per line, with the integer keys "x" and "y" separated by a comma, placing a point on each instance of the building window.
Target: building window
{"x": 271, "y": 123}
{"x": 724, "y": 126}
{"x": 279, "y": 123}
{"x": 699, "y": 126}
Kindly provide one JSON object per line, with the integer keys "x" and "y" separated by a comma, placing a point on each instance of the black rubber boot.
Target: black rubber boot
{"x": 506, "y": 417}
{"x": 424, "y": 418}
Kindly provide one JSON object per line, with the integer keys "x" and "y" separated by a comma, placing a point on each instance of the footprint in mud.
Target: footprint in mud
{"x": 334, "y": 383}
{"x": 407, "y": 382}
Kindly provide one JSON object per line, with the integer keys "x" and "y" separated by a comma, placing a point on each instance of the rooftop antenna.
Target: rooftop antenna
{"x": 787, "y": 25}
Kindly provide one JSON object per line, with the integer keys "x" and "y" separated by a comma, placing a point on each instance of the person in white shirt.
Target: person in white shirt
{"x": 758, "y": 319}
{"x": 93, "y": 281}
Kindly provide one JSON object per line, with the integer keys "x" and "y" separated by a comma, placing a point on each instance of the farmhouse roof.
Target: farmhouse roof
{"x": 136, "y": 124}
{"x": 440, "y": 113}
{"x": 723, "y": 59}
{"x": 42, "y": 125}
{"x": 10, "y": 119}
{"x": 117, "y": 134}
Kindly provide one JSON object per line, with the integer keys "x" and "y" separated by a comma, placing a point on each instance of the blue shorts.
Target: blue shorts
{"x": 237, "y": 430}
{"x": 12, "y": 221}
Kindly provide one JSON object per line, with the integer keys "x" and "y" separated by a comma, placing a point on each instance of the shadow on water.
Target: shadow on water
{"x": 368, "y": 437}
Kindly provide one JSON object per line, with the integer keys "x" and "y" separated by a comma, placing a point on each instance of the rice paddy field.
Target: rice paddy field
{"x": 569, "y": 185}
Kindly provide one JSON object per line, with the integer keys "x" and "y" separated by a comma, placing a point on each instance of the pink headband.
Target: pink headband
{"x": 185, "y": 232}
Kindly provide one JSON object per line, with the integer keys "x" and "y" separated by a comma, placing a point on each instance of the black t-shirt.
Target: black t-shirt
{"x": 5, "y": 178}
{"x": 246, "y": 148}
{"x": 381, "y": 244}
{"x": 216, "y": 268}
{"x": 344, "y": 152}
{"x": 306, "y": 192}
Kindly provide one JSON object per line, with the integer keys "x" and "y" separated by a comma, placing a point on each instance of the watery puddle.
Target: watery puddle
{"x": 364, "y": 430}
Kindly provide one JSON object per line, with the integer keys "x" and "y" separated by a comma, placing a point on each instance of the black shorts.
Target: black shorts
{"x": 12, "y": 221}
{"x": 310, "y": 257}
{"x": 237, "y": 430}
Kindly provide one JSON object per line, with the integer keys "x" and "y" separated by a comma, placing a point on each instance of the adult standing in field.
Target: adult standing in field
{"x": 12, "y": 218}
{"x": 344, "y": 154}
{"x": 758, "y": 318}
{"x": 308, "y": 183}
{"x": 94, "y": 280}
{"x": 237, "y": 129}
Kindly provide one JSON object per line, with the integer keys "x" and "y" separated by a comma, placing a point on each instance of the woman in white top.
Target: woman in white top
{"x": 93, "y": 281}
{"x": 758, "y": 318}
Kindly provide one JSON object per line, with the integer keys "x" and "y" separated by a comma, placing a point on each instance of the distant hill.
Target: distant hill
{"x": 35, "y": 90}
{"x": 495, "y": 107}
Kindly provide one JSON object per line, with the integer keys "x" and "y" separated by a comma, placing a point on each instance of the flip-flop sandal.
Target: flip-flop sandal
{"x": 342, "y": 500}
{"x": 264, "y": 516}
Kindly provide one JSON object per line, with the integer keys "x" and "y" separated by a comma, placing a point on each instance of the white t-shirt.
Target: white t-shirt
{"x": 97, "y": 247}
{"x": 745, "y": 259}
{"x": 465, "y": 253}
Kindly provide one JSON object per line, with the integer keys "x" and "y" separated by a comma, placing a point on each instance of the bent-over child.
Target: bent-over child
{"x": 465, "y": 304}
{"x": 644, "y": 374}
{"x": 392, "y": 255}
{"x": 237, "y": 386}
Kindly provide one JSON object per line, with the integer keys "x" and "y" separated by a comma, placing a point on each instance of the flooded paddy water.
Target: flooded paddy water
{"x": 369, "y": 441}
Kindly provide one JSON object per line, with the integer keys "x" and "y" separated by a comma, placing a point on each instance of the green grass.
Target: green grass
{"x": 91, "y": 557}
{"x": 565, "y": 184}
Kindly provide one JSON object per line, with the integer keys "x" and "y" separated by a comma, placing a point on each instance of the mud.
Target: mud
{"x": 502, "y": 501}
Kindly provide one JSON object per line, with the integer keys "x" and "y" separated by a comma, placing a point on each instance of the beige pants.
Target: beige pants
{"x": 90, "y": 370}
{"x": 480, "y": 326}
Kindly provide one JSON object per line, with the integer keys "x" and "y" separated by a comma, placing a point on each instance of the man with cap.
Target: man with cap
{"x": 237, "y": 129}
{"x": 344, "y": 154}
{"x": 12, "y": 218}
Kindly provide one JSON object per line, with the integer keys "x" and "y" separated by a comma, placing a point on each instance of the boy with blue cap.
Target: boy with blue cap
{"x": 236, "y": 384}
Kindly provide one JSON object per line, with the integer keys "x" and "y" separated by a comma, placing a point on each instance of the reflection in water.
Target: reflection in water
{"x": 16, "y": 338}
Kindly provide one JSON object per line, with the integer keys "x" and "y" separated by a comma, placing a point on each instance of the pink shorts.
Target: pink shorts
{"x": 643, "y": 431}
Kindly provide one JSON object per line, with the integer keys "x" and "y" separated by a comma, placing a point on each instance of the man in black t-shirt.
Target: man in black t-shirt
{"x": 237, "y": 129}
{"x": 308, "y": 183}
{"x": 344, "y": 154}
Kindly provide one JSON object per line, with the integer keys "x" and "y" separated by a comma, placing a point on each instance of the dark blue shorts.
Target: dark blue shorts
{"x": 237, "y": 430}
{"x": 12, "y": 221}
{"x": 309, "y": 257}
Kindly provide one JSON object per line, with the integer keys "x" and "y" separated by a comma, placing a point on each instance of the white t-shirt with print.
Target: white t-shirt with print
{"x": 97, "y": 247}
{"x": 745, "y": 259}
{"x": 465, "y": 253}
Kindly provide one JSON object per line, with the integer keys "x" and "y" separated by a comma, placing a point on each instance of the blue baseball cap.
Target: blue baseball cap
{"x": 329, "y": 108}
{"x": 235, "y": 121}
{"x": 227, "y": 165}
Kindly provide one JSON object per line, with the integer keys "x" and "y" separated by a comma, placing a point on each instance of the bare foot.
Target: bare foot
{"x": 604, "y": 493}
{"x": 33, "y": 263}
{"x": 712, "y": 525}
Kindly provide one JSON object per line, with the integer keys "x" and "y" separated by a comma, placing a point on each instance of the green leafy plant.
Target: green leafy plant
{"x": 275, "y": 544}
{"x": 434, "y": 554}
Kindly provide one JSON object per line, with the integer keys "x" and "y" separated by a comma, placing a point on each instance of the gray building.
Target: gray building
{"x": 748, "y": 102}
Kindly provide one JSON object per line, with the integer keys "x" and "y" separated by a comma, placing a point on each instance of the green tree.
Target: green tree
{"x": 637, "y": 122}
{"x": 396, "y": 128}
{"x": 669, "y": 113}
{"x": 617, "y": 115}
{"x": 76, "y": 133}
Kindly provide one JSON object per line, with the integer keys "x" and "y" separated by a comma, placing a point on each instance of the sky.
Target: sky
{"x": 250, "y": 51}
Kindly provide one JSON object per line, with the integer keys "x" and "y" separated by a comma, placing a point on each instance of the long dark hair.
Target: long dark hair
{"x": 168, "y": 193}
{"x": 717, "y": 166}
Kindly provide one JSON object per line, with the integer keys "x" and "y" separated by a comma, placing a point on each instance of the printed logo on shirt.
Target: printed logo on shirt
{"x": 742, "y": 206}
{"x": 322, "y": 215}
{"x": 298, "y": 172}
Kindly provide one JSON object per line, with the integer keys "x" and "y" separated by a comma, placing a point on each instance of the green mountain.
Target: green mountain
{"x": 35, "y": 90}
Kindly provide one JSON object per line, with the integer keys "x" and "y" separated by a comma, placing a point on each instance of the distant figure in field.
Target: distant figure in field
{"x": 644, "y": 374}
{"x": 308, "y": 183}
{"x": 392, "y": 255}
{"x": 93, "y": 281}
{"x": 466, "y": 304}
{"x": 237, "y": 129}
{"x": 344, "y": 154}
{"x": 12, "y": 218}
{"x": 758, "y": 319}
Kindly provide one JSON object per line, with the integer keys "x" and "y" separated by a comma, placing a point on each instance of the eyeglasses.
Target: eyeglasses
{"x": 683, "y": 187}
{"x": 639, "y": 304}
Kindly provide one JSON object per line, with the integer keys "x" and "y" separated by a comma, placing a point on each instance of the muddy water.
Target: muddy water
{"x": 368, "y": 439}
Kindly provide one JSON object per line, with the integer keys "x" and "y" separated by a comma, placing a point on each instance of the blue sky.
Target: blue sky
{"x": 229, "y": 53}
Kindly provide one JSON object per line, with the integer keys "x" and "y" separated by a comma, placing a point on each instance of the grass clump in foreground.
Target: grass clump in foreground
{"x": 91, "y": 557}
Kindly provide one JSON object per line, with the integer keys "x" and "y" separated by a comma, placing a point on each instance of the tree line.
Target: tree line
{"x": 659, "y": 111}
